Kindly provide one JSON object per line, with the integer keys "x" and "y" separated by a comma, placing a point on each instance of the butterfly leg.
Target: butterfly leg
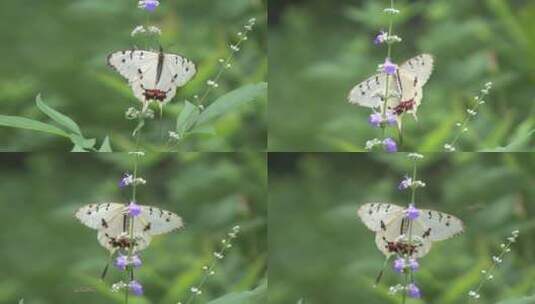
{"x": 380, "y": 275}
{"x": 105, "y": 271}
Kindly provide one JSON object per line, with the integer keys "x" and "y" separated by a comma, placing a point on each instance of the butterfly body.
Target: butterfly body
{"x": 152, "y": 75}
{"x": 113, "y": 224}
{"x": 405, "y": 87}
{"x": 396, "y": 234}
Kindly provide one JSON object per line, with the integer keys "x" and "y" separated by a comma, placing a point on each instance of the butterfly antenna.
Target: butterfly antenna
{"x": 380, "y": 275}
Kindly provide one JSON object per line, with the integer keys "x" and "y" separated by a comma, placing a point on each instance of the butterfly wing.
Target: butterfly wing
{"x": 176, "y": 72}
{"x": 420, "y": 67}
{"x": 370, "y": 92}
{"x": 399, "y": 226}
{"x": 118, "y": 226}
{"x": 154, "y": 221}
{"x": 376, "y": 215}
{"x": 440, "y": 226}
{"x": 96, "y": 216}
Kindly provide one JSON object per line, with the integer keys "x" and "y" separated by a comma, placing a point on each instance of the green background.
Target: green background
{"x": 59, "y": 48}
{"x": 319, "y": 50}
{"x": 322, "y": 253}
{"x": 47, "y": 256}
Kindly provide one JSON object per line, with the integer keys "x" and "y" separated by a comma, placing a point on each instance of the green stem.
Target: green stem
{"x": 413, "y": 189}
{"x": 388, "y": 55}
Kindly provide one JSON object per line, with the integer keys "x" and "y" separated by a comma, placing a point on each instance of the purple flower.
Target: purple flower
{"x": 390, "y": 145}
{"x": 389, "y": 67}
{"x": 413, "y": 291}
{"x": 405, "y": 183}
{"x": 149, "y": 5}
{"x": 136, "y": 288}
{"x": 136, "y": 261}
{"x": 413, "y": 264}
{"x": 399, "y": 264}
{"x": 134, "y": 209}
{"x": 121, "y": 262}
{"x": 412, "y": 212}
{"x": 375, "y": 119}
{"x": 126, "y": 180}
{"x": 380, "y": 38}
{"x": 391, "y": 118}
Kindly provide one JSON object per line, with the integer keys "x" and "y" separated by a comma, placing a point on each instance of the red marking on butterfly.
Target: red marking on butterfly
{"x": 154, "y": 94}
{"x": 404, "y": 106}
{"x": 401, "y": 248}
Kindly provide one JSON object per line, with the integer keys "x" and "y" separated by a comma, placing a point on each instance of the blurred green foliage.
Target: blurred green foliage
{"x": 322, "y": 253}
{"x": 47, "y": 256}
{"x": 58, "y": 48}
{"x": 320, "y": 49}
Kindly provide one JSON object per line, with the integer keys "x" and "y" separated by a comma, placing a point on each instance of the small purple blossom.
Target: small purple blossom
{"x": 405, "y": 183}
{"x": 412, "y": 212}
{"x": 391, "y": 118}
{"x": 149, "y": 5}
{"x": 413, "y": 291}
{"x": 375, "y": 119}
{"x": 380, "y": 38}
{"x": 389, "y": 67}
{"x": 413, "y": 264}
{"x": 136, "y": 288}
{"x": 134, "y": 209}
{"x": 390, "y": 145}
{"x": 136, "y": 261}
{"x": 399, "y": 265}
{"x": 121, "y": 262}
{"x": 126, "y": 180}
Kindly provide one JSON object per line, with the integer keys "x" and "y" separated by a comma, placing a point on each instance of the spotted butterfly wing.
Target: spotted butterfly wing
{"x": 376, "y": 215}
{"x": 405, "y": 87}
{"x": 153, "y": 75}
{"x": 158, "y": 221}
{"x": 111, "y": 221}
{"x": 391, "y": 225}
{"x": 440, "y": 226}
{"x": 388, "y": 238}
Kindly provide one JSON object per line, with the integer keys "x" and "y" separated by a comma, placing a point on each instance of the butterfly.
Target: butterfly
{"x": 152, "y": 75}
{"x": 391, "y": 226}
{"x": 112, "y": 223}
{"x": 405, "y": 87}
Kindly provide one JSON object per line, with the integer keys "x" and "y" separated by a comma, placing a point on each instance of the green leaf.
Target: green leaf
{"x": 57, "y": 116}
{"x": 30, "y": 124}
{"x": 187, "y": 118}
{"x": 259, "y": 295}
{"x": 77, "y": 148}
{"x": 80, "y": 141}
{"x": 106, "y": 145}
{"x": 519, "y": 144}
{"x": 232, "y": 100}
{"x": 525, "y": 300}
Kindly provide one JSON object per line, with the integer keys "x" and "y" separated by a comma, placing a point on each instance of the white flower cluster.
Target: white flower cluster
{"x": 151, "y": 30}
{"x": 415, "y": 156}
{"x": 496, "y": 261}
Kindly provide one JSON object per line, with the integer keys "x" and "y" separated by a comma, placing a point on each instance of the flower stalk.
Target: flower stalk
{"x": 209, "y": 270}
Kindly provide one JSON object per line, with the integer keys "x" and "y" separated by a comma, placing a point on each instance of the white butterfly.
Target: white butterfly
{"x": 391, "y": 226}
{"x": 405, "y": 87}
{"x": 152, "y": 75}
{"x": 112, "y": 222}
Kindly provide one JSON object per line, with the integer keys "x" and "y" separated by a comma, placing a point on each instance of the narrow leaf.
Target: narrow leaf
{"x": 57, "y": 116}
{"x": 259, "y": 295}
{"x": 30, "y": 124}
{"x": 85, "y": 143}
{"x": 106, "y": 145}
{"x": 187, "y": 118}
{"x": 232, "y": 100}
